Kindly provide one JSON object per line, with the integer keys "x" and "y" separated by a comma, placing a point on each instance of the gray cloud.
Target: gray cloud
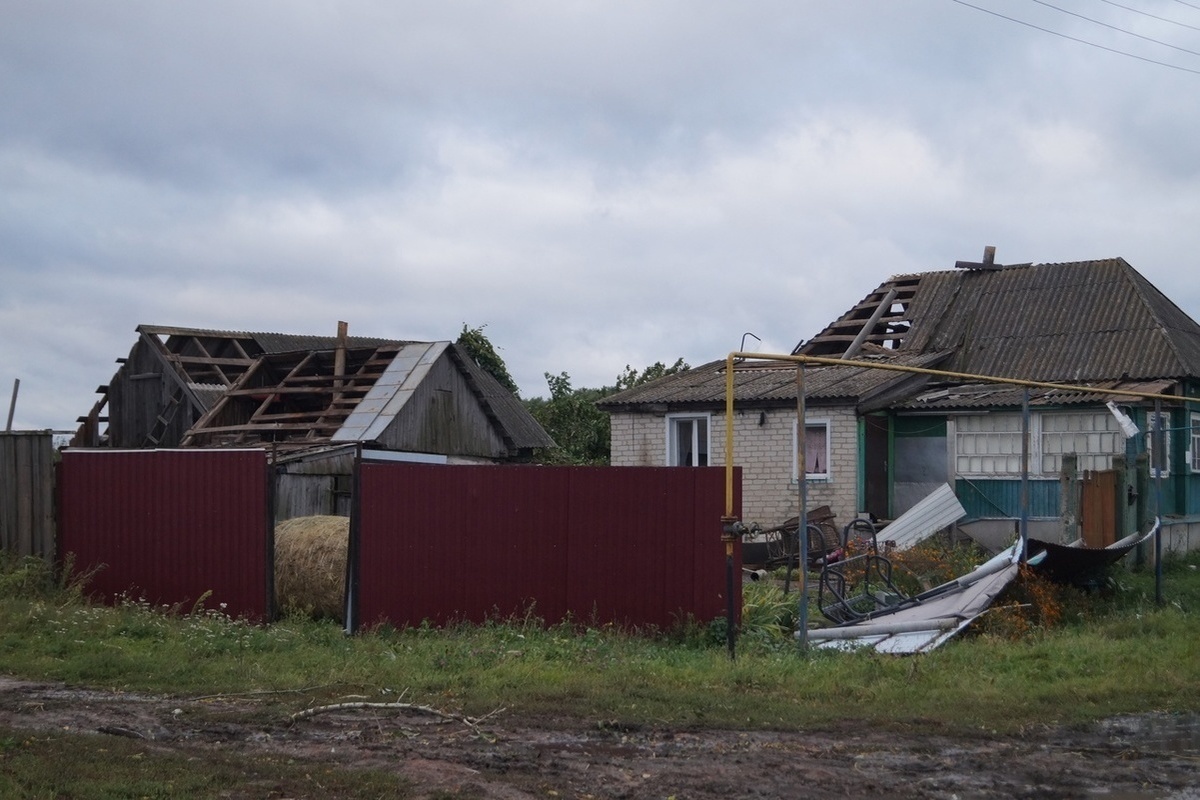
{"x": 599, "y": 184}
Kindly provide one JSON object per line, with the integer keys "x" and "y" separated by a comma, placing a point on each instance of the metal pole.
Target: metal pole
{"x": 1160, "y": 459}
{"x": 1024, "y": 529}
{"x": 802, "y": 518}
{"x": 730, "y": 618}
{"x": 728, "y": 521}
{"x": 12, "y": 405}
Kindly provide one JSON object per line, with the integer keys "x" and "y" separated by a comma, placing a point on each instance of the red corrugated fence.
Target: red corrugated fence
{"x": 632, "y": 546}
{"x": 167, "y": 526}
{"x": 625, "y": 545}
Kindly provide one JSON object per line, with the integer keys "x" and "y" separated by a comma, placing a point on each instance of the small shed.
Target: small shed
{"x": 312, "y": 402}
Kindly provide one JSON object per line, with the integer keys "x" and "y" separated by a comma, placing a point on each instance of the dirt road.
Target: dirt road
{"x": 511, "y": 756}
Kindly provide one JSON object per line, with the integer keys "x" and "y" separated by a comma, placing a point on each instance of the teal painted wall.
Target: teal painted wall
{"x": 1002, "y": 498}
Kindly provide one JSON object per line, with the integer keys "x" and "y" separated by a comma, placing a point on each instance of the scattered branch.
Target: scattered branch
{"x": 473, "y": 724}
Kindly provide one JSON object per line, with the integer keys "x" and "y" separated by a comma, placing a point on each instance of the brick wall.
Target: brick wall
{"x": 769, "y": 495}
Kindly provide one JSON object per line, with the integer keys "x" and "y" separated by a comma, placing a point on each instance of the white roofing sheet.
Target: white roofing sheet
{"x": 935, "y": 511}
{"x": 944, "y": 611}
{"x": 393, "y": 389}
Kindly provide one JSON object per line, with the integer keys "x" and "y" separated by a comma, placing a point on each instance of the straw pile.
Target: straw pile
{"x": 310, "y": 566}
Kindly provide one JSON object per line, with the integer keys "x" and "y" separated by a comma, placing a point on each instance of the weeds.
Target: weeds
{"x": 1043, "y": 654}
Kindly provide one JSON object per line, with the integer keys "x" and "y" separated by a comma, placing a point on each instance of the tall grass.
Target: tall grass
{"x": 1097, "y": 659}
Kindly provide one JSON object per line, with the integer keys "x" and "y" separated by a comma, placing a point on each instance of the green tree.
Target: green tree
{"x": 571, "y": 417}
{"x": 480, "y": 348}
{"x": 579, "y": 428}
{"x": 631, "y": 378}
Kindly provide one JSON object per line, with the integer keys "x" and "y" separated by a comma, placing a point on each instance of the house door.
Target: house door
{"x": 1098, "y": 507}
{"x": 918, "y": 460}
{"x": 875, "y": 466}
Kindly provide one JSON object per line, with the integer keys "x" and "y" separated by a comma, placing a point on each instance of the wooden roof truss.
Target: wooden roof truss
{"x": 881, "y": 320}
{"x": 292, "y": 399}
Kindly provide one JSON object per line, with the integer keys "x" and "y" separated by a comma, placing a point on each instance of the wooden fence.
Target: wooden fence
{"x": 27, "y": 493}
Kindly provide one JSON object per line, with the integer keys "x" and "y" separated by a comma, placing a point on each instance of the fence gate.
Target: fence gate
{"x": 1098, "y": 507}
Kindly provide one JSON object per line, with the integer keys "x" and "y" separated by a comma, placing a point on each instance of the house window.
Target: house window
{"x": 1160, "y": 464}
{"x": 1194, "y": 455}
{"x": 1093, "y": 437}
{"x": 687, "y": 440}
{"x": 816, "y": 449}
{"x": 988, "y": 444}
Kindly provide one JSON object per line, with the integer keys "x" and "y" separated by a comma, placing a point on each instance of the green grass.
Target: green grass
{"x": 1094, "y": 663}
{"x": 105, "y": 767}
{"x": 1113, "y": 653}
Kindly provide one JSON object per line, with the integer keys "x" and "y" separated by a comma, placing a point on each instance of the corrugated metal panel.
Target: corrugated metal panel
{"x": 170, "y": 525}
{"x": 940, "y": 614}
{"x": 936, "y": 511}
{"x": 444, "y": 543}
{"x": 27, "y": 493}
{"x": 636, "y": 546}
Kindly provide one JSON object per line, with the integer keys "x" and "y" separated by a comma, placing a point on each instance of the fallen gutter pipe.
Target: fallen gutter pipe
{"x": 862, "y": 630}
{"x": 996, "y": 563}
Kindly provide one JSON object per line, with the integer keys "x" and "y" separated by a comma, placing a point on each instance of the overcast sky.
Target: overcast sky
{"x": 600, "y": 184}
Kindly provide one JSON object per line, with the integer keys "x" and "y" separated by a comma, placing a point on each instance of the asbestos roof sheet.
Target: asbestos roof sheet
{"x": 259, "y": 342}
{"x": 1067, "y": 322}
{"x": 769, "y": 382}
{"x": 964, "y": 397}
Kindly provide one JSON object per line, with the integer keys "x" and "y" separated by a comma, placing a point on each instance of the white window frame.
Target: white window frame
{"x": 699, "y": 446}
{"x": 997, "y": 439}
{"x": 1194, "y": 453}
{"x": 984, "y": 441}
{"x": 1097, "y": 431}
{"x": 826, "y": 458}
{"x": 1165, "y": 422}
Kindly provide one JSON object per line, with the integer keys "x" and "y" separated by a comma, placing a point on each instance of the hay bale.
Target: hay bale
{"x": 310, "y": 566}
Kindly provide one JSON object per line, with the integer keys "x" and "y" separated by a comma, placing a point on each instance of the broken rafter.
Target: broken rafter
{"x": 265, "y": 428}
{"x": 199, "y": 427}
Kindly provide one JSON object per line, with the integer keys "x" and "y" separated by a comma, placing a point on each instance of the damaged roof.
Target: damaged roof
{"x": 250, "y": 388}
{"x": 1095, "y": 323}
{"x": 1074, "y": 322}
{"x": 774, "y": 383}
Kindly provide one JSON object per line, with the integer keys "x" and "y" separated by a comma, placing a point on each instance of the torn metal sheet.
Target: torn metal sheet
{"x": 1080, "y": 566}
{"x": 937, "y": 510}
{"x": 930, "y": 618}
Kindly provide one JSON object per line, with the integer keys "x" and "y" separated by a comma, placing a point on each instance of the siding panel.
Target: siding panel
{"x": 636, "y": 547}
{"x": 169, "y": 526}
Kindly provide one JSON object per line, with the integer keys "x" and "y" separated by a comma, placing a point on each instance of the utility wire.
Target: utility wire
{"x": 1189, "y": 5}
{"x": 1115, "y": 28}
{"x": 1074, "y": 39}
{"x": 1152, "y": 16}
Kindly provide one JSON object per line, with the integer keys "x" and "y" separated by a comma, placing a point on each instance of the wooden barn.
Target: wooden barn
{"x": 312, "y": 402}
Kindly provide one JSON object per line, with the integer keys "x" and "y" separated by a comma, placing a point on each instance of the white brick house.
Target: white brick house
{"x": 680, "y": 421}
{"x": 1084, "y": 334}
